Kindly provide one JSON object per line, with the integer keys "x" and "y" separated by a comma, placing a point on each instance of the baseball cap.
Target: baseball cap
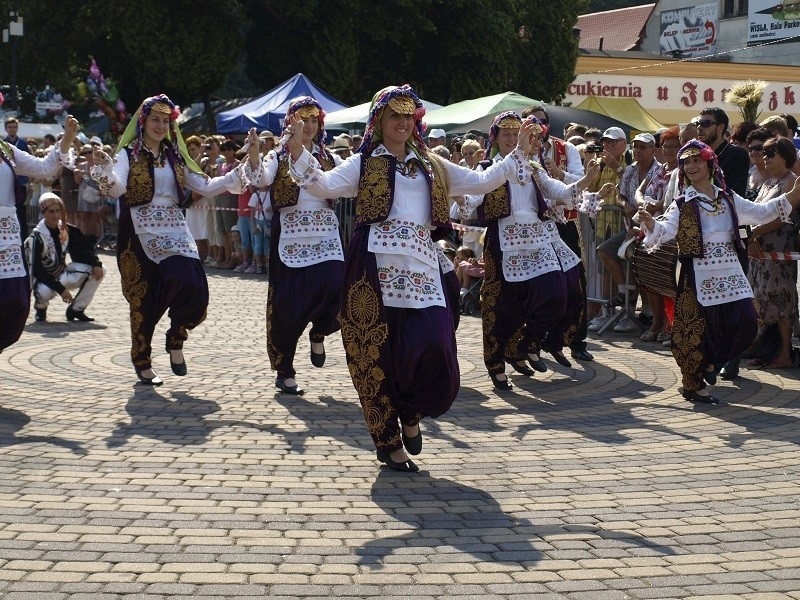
{"x": 615, "y": 133}
{"x": 437, "y": 133}
{"x": 645, "y": 138}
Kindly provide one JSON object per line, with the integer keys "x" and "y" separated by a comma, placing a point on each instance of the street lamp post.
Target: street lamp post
{"x": 15, "y": 30}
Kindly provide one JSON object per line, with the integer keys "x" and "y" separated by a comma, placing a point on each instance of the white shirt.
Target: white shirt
{"x": 532, "y": 247}
{"x": 160, "y": 223}
{"x": 574, "y": 170}
{"x": 309, "y": 229}
{"x": 11, "y": 263}
{"x": 406, "y": 257}
{"x": 718, "y": 274}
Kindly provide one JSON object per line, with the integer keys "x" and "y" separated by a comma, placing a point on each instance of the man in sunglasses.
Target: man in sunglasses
{"x": 735, "y": 164}
{"x": 733, "y": 160}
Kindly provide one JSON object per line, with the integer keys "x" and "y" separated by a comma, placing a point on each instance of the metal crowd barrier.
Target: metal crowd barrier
{"x": 596, "y": 274}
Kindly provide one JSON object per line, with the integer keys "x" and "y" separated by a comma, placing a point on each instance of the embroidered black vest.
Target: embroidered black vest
{"x": 284, "y": 192}
{"x": 375, "y": 194}
{"x": 497, "y": 203}
{"x": 141, "y": 178}
{"x": 690, "y": 234}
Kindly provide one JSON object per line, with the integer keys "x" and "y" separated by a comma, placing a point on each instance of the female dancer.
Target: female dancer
{"x": 15, "y": 285}
{"x": 397, "y": 313}
{"x": 713, "y": 292}
{"x": 156, "y": 254}
{"x": 306, "y": 261}
{"x": 531, "y": 290}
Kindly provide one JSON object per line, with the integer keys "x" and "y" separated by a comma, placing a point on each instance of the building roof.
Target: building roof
{"x": 620, "y": 29}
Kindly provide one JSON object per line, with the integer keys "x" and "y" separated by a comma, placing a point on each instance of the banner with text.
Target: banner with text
{"x": 768, "y": 21}
{"x": 678, "y": 93}
{"x": 689, "y": 31}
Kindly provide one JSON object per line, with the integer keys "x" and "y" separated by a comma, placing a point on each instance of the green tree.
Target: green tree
{"x": 604, "y": 5}
{"x": 547, "y": 48}
{"x": 148, "y": 46}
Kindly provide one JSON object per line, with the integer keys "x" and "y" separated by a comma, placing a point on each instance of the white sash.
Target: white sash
{"x": 11, "y": 263}
{"x": 309, "y": 237}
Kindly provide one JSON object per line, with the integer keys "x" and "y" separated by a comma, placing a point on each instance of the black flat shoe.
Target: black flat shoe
{"x": 500, "y": 384}
{"x": 154, "y": 381}
{"x": 561, "y": 359}
{"x": 521, "y": 367}
{"x": 728, "y": 374}
{"x": 695, "y": 397}
{"x": 318, "y": 360}
{"x": 710, "y": 377}
{"x": 295, "y": 390}
{"x": 77, "y": 314}
{"x": 582, "y": 355}
{"x": 407, "y": 466}
{"x": 178, "y": 368}
{"x": 41, "y": 315}
{"x": 413, "y": 444}
{"x": 538, "y": 364}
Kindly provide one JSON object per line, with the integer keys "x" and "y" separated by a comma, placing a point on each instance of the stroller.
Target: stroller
{"x": 470, "y": 300}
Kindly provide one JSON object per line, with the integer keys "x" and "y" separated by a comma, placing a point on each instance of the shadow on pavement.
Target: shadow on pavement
{"x": 338, "y": 419}
{"x": 577, "y": 413}
{"x": 12, "y": 421}
{"x": 444, "y": 513}
{"x": 769, "y": 419}
{"x": 179, "y": 420}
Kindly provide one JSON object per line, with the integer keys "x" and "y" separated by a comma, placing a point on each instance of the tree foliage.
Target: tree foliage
{"x": 547, "y": 47}
{"x": 603, "y": 5}
{"x": 184, "y": 48}
{"x": 449, "y": 50}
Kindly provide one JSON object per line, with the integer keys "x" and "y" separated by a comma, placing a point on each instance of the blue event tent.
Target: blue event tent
{"x": 267, "y": 111}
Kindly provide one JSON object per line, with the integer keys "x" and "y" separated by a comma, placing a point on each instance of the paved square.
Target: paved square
{"x": 596, "y": 482}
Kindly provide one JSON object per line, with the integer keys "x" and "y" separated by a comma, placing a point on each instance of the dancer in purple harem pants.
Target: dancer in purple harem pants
{"x": 398, "y": 305}
{"x": 531, "y": 289}
{"x": 306, "y": 259}
{"x": 157, "y": 256}
{"x": 715, "y": 319}
{"x": 15, "y": 287}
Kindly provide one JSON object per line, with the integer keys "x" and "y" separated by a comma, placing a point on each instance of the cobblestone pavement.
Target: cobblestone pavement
{"x": 595, "y": 482}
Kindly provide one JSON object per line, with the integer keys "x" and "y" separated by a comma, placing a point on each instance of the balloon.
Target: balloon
{"x": 122, "y": 116}
{"x": 83, "y": 90}
{"x": 103, "y": 88}
{"x": 112, "y": 93}
{"x": 120, "y": 106}
{"x": 94, "y": 70}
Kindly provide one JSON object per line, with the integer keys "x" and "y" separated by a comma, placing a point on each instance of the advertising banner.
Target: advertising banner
{"x": 690, "y": 31}
{"x": 769, "y": 21}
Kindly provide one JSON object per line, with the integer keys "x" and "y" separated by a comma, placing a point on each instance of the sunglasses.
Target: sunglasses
{"x": 770, "y": 152}
{"x": 705, "y": 123}
{"x": 468, "y": 154}
{"x": 86, "y": 153}
{"x": 752, "y": 149}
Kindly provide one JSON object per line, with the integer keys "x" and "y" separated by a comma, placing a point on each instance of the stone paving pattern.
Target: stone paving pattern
{"x": 598, "y": 482}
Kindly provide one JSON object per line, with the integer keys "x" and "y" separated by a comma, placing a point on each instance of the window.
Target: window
{"x": 734, "y": 8}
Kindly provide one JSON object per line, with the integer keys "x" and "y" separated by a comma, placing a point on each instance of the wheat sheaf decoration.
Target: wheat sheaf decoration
{"x": 746, "y": 95}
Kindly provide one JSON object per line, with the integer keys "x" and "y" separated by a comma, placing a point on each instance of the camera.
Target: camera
{"x": 594, "y": 148}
